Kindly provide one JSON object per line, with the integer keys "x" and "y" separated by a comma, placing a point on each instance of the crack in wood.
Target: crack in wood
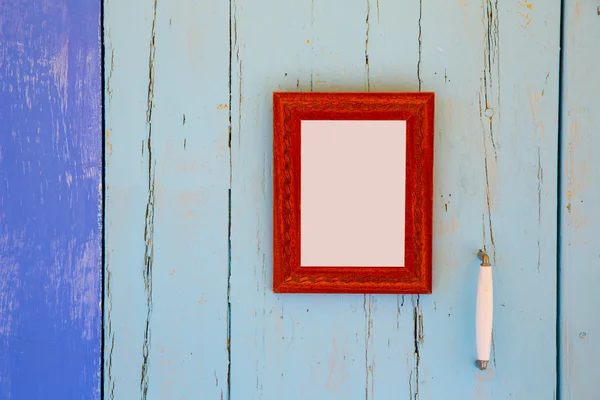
{"x": 490, "y": 82}
{"x": 419, "y": 337}
{"x": 416, "y": 300}
{"x": 491, "y": 58}
{"x": 149, "y": 220}
{"x": 110, "y": 381}
{"x": 233, "y": 44}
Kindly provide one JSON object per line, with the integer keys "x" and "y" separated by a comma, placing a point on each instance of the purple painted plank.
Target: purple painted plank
{"x": 50, "y": 199}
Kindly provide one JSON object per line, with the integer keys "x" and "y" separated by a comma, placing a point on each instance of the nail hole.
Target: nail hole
{"x": 489, "y": 113}
{"x": 582, "y": 335}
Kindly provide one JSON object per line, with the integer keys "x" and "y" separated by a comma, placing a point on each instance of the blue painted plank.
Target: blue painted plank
{"x": 50, "y": 200}
{"x": 494, "y": 67}
{"x": 167, "y": 177}
{"x": 580, "y": 194}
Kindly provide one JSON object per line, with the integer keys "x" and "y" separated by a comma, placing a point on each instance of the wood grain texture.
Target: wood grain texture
{"x": 289, "y": 109}
{"x": 580, "y": 217}
{"x": 50, "y": 199}
{"x": 167, "y": 173}
{"x": 495, "y": 158}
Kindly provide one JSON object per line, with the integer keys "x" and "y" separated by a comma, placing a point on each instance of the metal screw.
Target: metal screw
{"x": 485, "y": 259}
{"x": 598, "y": 10}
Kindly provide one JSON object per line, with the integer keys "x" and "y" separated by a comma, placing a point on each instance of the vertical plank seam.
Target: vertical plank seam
{"x": 416, "y": 300}
{"x": 232, "y": 34}
{"x": 105, "y": 370}
{"x": 559, "y": 206}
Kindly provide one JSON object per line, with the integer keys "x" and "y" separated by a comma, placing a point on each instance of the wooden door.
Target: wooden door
{"x": 190, "y": 311}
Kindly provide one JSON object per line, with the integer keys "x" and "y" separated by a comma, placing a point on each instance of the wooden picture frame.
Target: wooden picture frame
{"x": 318, "y": 137}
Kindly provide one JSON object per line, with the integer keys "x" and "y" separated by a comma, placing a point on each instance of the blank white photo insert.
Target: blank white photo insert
{"x": 352, "y": 193}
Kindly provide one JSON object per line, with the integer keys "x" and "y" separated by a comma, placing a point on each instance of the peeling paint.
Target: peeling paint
{"x": 540, "y": 179}
{"x": 526, "y": 17}
{"x": 109, "y": 89}
{"x": 399, "y": 305}
{"x": 490, "y": 99}
{"x": 240, "y": 101}
{"x": 419, "y": 339}
{"x": 367, "y": 306}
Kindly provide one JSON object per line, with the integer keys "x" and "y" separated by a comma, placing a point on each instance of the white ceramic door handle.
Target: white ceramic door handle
{"x": 484, "y": 313}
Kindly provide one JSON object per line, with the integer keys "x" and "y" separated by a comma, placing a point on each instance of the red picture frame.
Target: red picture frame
{"x": 289, "y": 109}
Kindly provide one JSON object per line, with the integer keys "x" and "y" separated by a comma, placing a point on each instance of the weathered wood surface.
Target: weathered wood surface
{"x": 580, "y": 196}
{"x": 189, "y": 306}
{"x": 50, "y": 199}
{"x": 167, "y": 185}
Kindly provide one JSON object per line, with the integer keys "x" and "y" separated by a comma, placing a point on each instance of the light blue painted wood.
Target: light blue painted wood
{"x": 167, "y": 172}
{"x": 580, "y": 217}
{"x": 495, "y": 187}
{"x": 50, "y": 199}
